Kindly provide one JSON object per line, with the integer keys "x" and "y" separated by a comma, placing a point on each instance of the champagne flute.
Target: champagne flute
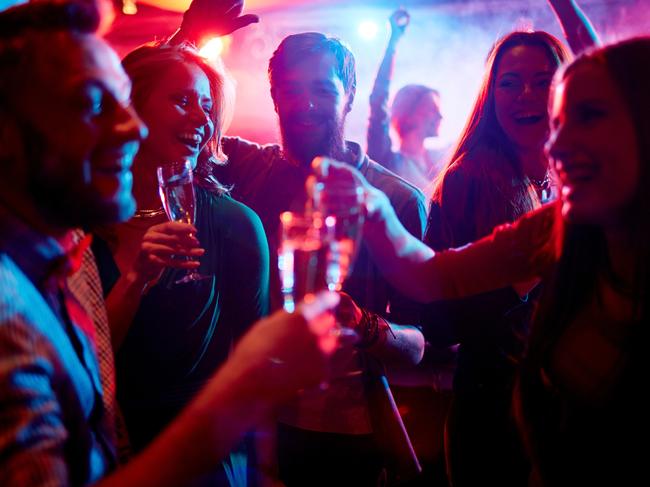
{"x": 177, "y": 195}
{"x": 301, "y": 261}
{"x": 342, "y": 211}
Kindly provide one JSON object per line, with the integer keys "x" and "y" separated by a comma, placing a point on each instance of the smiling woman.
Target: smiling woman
{"x": 171, "y": 336}
{"x": 581, "y": 400}
{"x": 497, "y": 173}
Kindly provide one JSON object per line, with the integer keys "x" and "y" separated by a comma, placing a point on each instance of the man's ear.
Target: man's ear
{"x": 348, "y": 104}
{"x": 275, "y": 105}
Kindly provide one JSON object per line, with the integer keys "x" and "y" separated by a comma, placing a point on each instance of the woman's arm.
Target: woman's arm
{"x": 157, "y": 250}
{"x": 379, "y": 143}
{"x": 513, "y": 253}
{"x": 578, "y": 30}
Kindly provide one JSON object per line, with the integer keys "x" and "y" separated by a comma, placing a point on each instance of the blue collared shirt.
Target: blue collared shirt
{"x": 50, "y": 392}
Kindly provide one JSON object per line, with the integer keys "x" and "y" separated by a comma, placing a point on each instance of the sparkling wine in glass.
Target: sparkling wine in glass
{"x": 177, "y": 195}
{"x": 342, "y": 210}
{"x": 301, "y": 259}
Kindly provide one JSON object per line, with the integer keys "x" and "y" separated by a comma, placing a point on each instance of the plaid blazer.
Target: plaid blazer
{"x": 52, "y": 428}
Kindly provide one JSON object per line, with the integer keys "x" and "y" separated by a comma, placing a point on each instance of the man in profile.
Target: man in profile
{"x": 68, "y": 136}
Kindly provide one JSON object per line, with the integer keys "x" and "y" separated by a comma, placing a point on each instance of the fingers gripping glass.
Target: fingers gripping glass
{"x": 177, "y": 195}
{"x": 318, "y": 248}
{"x": 342, "y": 209}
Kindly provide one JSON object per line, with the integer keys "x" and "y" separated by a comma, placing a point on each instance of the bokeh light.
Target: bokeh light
{"x": 368, "y": 29}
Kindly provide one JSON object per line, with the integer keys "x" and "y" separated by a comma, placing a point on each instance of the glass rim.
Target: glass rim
{"x": 186, "y": 165}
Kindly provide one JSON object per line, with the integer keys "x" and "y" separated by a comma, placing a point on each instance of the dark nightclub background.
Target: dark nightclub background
{"x": 444, "y": 47}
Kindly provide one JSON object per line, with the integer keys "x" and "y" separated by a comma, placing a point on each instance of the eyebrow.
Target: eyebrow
{"x": 325, "y": 84}
{"x": 592, "y": 101}
{"x": 538, "y": 73}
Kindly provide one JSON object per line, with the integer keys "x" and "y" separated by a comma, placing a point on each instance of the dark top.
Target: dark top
{"x": 585, "y": 406}
{"x": 490, "y": 327}
{"x": 268, "y": 183}
{"x": 183, "y": 332}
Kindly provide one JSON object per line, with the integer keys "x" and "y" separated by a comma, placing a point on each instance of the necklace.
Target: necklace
{"x": 145, "y": 214}
{"x": 541, "y": 184}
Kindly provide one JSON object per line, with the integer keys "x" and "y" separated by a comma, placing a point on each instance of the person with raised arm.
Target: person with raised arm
{"x": 414, "y": 114}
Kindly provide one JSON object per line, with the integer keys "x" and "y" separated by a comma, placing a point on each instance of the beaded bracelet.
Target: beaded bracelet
{"x": 370, "y": 329}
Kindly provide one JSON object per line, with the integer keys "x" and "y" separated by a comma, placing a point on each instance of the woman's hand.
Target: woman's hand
{"x": 160, "y": 247}
{"x": 376, "y": 204}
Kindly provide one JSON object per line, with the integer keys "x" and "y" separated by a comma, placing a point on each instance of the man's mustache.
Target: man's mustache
{"x": 307, "y": 117}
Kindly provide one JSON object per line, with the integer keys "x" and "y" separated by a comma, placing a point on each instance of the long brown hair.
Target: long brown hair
{"x": 485, "y": 143}
{"x": 584, "y": 257}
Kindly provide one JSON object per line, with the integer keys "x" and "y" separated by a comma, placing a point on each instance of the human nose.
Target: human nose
{"x": 130, "y": 126}
{"x": 526, "y": 90}
{"x": 305, "y": 101}
{"x": 558, "y": 146}
{"x": 199, "y": 114}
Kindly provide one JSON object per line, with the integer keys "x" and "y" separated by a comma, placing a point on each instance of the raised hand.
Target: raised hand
{"x": 212, "y": 18}
{"x": 399, "y": 21}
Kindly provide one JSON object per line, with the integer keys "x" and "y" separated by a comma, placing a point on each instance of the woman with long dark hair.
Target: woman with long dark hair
{"x": 497, "y": 173}
{"x": 579, "y": 399}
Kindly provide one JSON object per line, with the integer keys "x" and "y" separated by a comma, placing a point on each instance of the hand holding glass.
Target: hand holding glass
{"x": 177, "y": 195}
{"x": 342, "y": 210}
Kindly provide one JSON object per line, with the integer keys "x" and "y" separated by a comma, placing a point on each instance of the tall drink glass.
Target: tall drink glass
{"x": 177, "y": 195}
{"x": 341, "y": 208}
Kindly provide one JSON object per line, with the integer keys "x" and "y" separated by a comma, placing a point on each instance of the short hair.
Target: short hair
{"x": 406, "y": 100}
{"x": 21, "y": 30}
{"x": 296, "y": 47}
{"x": 72, "y": 16}
{"x": 146, "y": 64}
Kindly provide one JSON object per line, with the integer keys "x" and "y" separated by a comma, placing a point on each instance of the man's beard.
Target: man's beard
{"x": 303, "y": 151}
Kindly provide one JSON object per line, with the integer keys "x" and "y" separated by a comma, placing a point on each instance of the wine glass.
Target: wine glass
{"x": 301, "y": 261}
{"x": 177, "y": 195}
{"x": 341, "y": 208}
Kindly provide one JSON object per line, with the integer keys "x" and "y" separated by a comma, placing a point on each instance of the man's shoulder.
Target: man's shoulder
{"x": 239, "y": 150}
{"x": 12, "y": 281}
{"x": 395, "y": 187}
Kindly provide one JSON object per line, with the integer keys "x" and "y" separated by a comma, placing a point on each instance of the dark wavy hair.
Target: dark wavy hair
{"x": 584, "y": 259}
{"x": 147, "y": 63}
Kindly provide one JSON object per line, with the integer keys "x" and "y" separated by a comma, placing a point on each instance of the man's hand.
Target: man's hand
{"x": 213, "y": 18}
{"x": 348, "y": 314}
